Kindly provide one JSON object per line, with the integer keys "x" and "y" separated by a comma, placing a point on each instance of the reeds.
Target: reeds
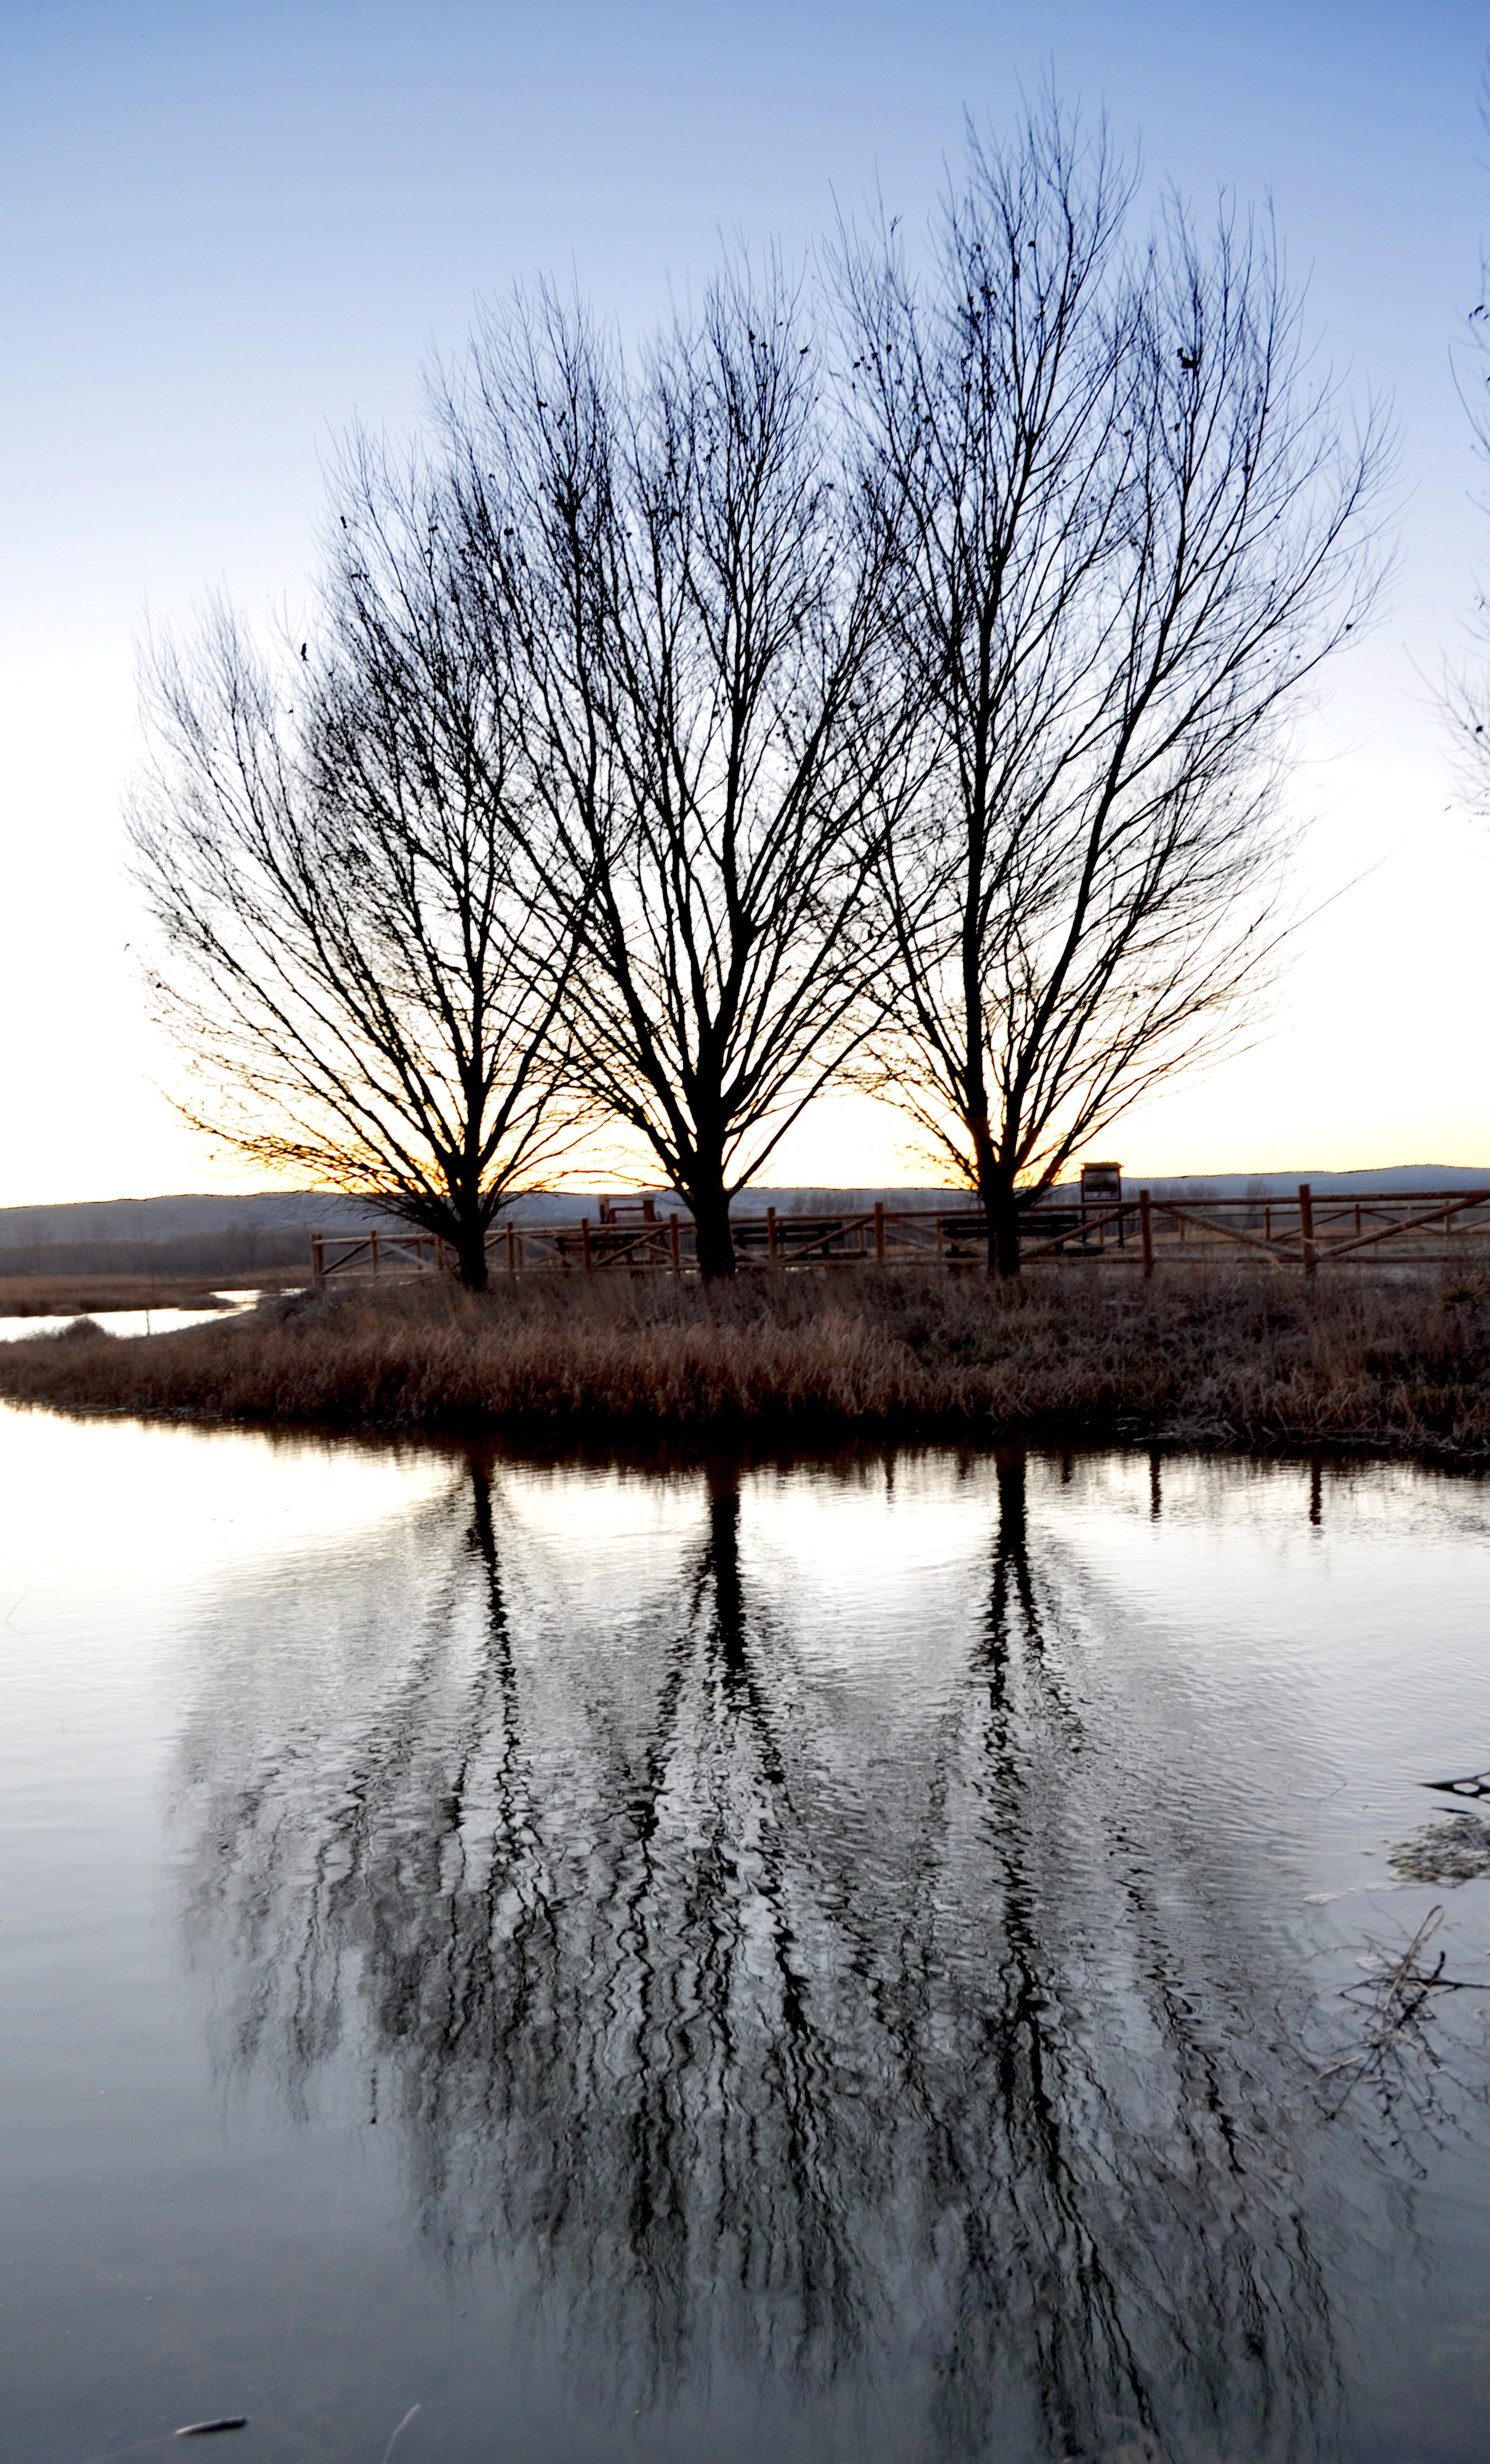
{"x": 1400, "y": 1363}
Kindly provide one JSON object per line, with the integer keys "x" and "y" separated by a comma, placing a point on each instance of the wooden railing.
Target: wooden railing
{"x": 1342, "y": 1228}
{"x": 1302, "y": 1232}
{"x": 385, "y": 1252}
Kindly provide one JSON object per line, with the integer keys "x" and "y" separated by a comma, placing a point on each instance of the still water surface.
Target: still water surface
{"x": 126, "y": 1322}
{"x": 740, "y": 1963}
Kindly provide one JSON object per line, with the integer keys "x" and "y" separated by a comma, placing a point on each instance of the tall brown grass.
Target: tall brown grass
{"x": 1396, "y": 1362}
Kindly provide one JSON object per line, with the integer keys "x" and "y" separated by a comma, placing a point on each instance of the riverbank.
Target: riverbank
{"x": 1398, "y": 1365}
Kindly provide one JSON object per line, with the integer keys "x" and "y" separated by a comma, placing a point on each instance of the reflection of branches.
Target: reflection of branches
{"x": 936, "y": 2067}
{"x": 1125, "y": 2200}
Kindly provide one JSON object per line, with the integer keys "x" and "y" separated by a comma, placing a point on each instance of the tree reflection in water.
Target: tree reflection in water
{"x": 932, "y": 2055}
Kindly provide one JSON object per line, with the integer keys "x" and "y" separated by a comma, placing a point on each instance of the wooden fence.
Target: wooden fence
{"x": 378, "y": 1253}
{"x": 1303, "y": 1233}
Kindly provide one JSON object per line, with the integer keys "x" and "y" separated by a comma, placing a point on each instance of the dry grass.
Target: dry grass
{"x": 79, "y": 1296}
{"x": 1199, "y": 1357}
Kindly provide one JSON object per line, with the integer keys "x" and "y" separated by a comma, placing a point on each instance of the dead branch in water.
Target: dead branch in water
{"x": 1396, "y": 2050}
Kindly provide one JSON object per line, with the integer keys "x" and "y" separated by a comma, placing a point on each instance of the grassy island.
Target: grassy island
{"x": 1395, "y": 1363}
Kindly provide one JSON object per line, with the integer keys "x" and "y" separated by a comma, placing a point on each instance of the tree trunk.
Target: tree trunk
{"x": 714, "y": 1239}
{"x": 724, "y": 1561}
{"x": 469, "y": 1246}
{"x": 1001, "y": 1215}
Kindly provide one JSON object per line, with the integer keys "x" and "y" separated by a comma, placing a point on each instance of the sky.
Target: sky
{"x": 229, "y": 228}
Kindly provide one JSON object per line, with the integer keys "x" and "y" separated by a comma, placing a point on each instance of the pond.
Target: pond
{"x": 127, "y": 1322}
{"x": 896, "y": 1957}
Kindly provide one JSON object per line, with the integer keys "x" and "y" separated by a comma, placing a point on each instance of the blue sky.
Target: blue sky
{"x": 228, "y": 228}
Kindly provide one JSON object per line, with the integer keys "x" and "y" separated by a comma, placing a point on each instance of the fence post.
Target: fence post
{"x": 374, "y": 1253}
{"x": 879, "y": 1230}
{"x": 318, "y": 1258}
{"x": 1306, "y": 1226}
{"x": 585, "y": 1240}
{"x": 770, "y": 1231}
{"x": 512, "y": 1249}
{"x": 675, "y": 1244}
{"x": 1146, "y": 1225}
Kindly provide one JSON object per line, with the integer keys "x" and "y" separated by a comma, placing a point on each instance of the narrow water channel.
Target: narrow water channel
{"x": 916, "y": 1956}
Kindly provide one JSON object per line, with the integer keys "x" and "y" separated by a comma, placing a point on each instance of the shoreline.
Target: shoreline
{"x": 1243, "y": 1361}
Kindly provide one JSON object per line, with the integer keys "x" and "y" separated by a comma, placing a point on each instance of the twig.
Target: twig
{"x": 1399, "y": 1992}
{"x": 402, "y": 2425}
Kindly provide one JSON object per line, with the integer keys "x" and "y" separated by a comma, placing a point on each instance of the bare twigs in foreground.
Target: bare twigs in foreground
{"x": 1396, "y": 2056}
{"x": 1466, "y": 687}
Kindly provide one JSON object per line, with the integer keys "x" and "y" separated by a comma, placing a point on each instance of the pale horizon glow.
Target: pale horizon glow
{"x": 230, "y": 229}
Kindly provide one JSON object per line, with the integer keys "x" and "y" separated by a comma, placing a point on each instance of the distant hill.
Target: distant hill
{"x": 158, "y": 1218}
{"x": 1397, "y": 1179}
{"x": 189, "y": 1234}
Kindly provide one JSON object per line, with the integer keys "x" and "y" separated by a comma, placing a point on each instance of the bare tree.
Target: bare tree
{"x": 343, "y": 858}
{"x": 697, "y": 599}
{"x": 1466, "y": 687}
{"x": 1137, "y": 524}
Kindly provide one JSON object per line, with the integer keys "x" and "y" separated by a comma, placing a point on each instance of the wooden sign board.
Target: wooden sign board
{"x": 1102, "y": 1185}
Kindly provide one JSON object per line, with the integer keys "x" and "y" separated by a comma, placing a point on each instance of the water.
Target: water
{"x": 156, "y": 1321}
{"x": 823, "y": 1962}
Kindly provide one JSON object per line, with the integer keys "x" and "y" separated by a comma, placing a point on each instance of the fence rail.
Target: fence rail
{"x": 377, "y": 1253}
{"x": 1302, "y": 1232}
